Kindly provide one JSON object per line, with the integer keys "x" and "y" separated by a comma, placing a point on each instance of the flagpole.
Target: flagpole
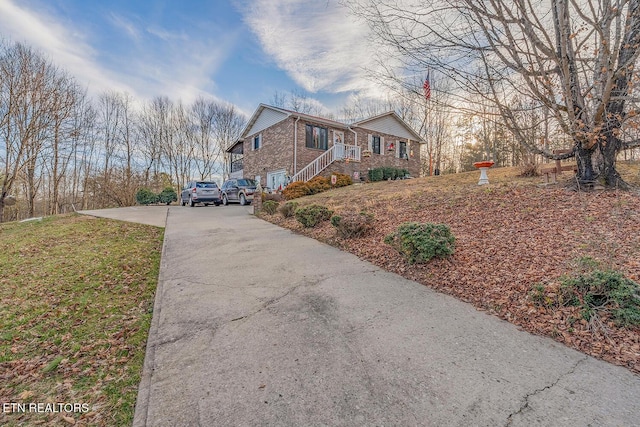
{"x": 430, "y": 142}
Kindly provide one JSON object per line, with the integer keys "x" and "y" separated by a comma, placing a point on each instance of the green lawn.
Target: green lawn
{"x": 76, "y": 299}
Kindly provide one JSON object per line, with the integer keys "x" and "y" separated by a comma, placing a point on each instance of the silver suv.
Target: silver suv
{"x": 205, "y": 192}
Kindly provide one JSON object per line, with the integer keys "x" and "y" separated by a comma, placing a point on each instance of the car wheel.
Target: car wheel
{"x": 243, "y": 200}
{"x": 206, "y": 204}
{"x": 217, "y": 203}
{"x": 182, "y": 202}
{"x": 191, "y": 203}
{"x": 224, "y": 200}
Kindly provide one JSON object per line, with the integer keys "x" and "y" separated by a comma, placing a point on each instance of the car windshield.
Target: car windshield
{"x": 206, "y": 184}
{"x": 247, "y": 182}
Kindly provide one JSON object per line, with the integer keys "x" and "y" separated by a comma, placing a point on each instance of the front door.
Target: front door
{"x": 277, "y": 180}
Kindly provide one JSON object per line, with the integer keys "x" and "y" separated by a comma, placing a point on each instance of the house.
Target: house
{"x": 279, "y": 146}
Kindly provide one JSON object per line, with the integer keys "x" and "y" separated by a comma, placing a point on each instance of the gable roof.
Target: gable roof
{"x": 265, "y": 116}
{"x": 389, "y": 123}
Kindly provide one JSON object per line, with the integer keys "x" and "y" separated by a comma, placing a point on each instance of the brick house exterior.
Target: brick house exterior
{"x": 278, "y": 144}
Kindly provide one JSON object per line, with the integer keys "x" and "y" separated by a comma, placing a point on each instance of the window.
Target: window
{"x": 257, "y": 142}
{"x": 375, "y": 144}
{"x": 402, "y": 150}
{"x": 317, "y": 137}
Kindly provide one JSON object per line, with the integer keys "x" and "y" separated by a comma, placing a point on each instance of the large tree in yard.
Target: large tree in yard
{"x": 573, "y": 59}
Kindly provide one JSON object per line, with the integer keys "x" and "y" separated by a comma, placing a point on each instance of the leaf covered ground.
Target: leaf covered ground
{"x": 76, "y": 298}
{"x": 513, "y": 237}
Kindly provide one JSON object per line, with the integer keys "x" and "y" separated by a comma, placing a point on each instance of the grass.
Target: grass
{"x": 76, "y": 303}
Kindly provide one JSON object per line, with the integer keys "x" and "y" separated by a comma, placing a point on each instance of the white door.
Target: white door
{"x": 277, "y": 180}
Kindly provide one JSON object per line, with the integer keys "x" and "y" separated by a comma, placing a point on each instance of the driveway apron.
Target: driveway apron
{"x": 255, "y": 325}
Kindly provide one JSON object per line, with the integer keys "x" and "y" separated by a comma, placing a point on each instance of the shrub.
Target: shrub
{"x": 375, "y": 175}
{"x": 603, "y": 292}
{"x": 312, "y": 215}
{"x": 384, "y": 173}
{"x": 144, "y": 196}
{"x": 342, "y": 180}
{"x": 319, "y": 184}
{"x": 288, "y": 209}
{"x": 352, "y": 224}
{"x": 389, "y": 173}
{"x": 270, "y": 207}
{"x": 167, "y": 196}
{"x": 421, "y": 242}
{"x": 295, "y": 190}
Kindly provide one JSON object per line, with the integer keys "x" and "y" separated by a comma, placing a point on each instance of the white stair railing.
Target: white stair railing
{"x": 336, "y": 152}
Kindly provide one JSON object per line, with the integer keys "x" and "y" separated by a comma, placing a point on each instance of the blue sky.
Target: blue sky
{"x": 239, "y": 51}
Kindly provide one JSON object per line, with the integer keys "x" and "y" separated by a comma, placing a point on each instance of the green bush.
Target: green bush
{"x": 312, "y": 215}
{"x": 352, "y": 224}
{"x": 375, "y": 175}
{"x": 603, "y": 292}
{"x": 389, "y": 173}
{"x": 144, "y": 196}
{"x": 288, "y": 209}
{"x": 167, "y": 196}
{"x": 384, "y": 173}
{"x": 418, "y": 243}
{"x": 295, "y": 190}
{"x": 270, "y": 207}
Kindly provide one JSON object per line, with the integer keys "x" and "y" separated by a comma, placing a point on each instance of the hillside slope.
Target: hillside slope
{"x": 515, "y": 241}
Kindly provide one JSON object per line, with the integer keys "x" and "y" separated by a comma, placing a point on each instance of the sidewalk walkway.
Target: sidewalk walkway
{"x": 254, "y": 325}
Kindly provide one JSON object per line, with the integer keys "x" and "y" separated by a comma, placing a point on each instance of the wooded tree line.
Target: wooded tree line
{"x": 62, "y": 150}
{"x": 574, "y": 61}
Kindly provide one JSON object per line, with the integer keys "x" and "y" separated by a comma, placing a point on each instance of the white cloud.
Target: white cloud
{"x": 66, "y": 49}
{"x": 318, "y": 44}
{"x": 155, "y": 62}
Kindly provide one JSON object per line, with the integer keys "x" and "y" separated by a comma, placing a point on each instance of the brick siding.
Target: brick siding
{"x": 276, "y": 152}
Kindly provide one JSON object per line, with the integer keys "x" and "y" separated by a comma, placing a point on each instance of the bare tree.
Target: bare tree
{"x": 228, "y": 124}
{"x": 575, "y": 57}
{"x": 27, "y": 104}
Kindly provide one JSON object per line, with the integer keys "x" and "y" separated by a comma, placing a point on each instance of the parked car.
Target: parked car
{"x": 239, "y": 190}
{"x": 205, "y": 192}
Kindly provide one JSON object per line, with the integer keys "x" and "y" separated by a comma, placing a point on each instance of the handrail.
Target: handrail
{"x": 336, "y": 152}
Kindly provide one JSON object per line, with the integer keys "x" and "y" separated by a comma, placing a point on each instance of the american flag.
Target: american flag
{"x": 427, "y": 87}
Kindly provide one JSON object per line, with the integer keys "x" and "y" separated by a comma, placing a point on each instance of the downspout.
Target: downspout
{"x": 295, "y": 146}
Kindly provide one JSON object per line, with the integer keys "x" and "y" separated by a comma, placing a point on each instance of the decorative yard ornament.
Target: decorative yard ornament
{"x": 483, "y": 166}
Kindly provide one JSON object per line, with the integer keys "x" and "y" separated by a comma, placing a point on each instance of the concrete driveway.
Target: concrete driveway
{"x": 254, "y": 325}
{"x": 150, "y": 215}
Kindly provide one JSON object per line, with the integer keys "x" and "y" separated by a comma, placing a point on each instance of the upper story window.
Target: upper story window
{"x": 317, "y": 137}
{"x": 257, "y": 142}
